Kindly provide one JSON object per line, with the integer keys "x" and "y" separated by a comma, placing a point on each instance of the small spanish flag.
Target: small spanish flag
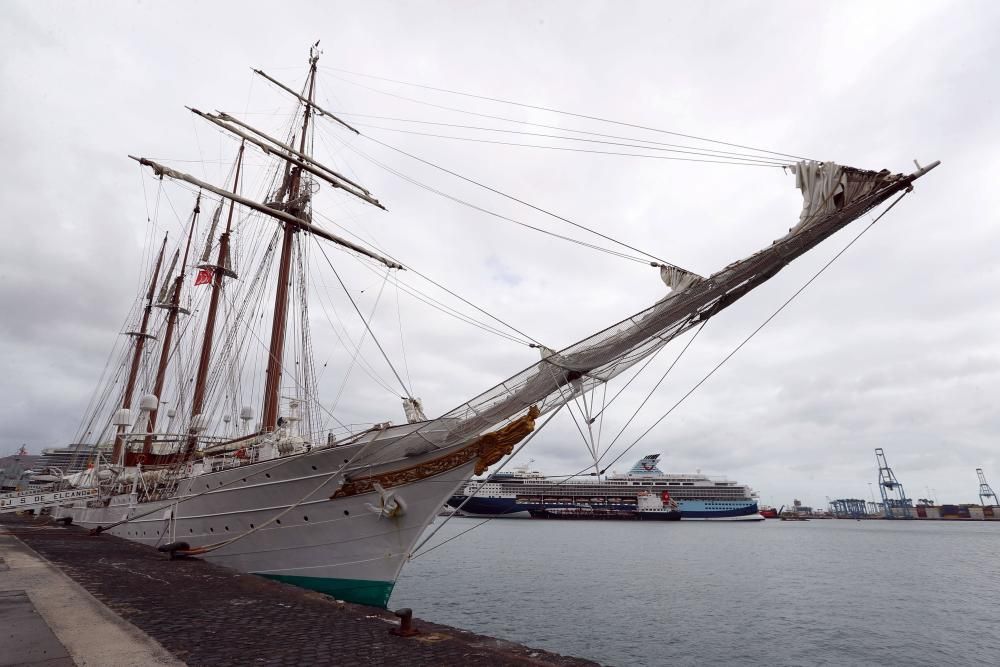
{"x": 204, "y": 277}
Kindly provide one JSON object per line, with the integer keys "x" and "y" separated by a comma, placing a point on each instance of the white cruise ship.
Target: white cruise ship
{"x": 525, "y": 493}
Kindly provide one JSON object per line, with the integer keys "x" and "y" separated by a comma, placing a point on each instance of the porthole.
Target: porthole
{"x": 244, "y": 480}
{"x": 227, "y": 529}
{"x": 268, "y": 475}
{"x": 191, "y": 530}
{"x": 206, "y": 486}
{"x": 251, "y": 525}
{"x": 211, "y": 530}
{"x": 305, "y": 518}
{"x": 346, "y": 460}
{"x": 314, "y": 467}
{"x": 346, "y": 513}
{"x": 278, "y": 521}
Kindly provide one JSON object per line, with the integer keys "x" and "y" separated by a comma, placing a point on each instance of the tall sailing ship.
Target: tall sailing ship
{"x": 191, "y": 467}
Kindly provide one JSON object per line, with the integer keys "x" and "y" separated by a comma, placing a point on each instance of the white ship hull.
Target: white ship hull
{"x": 342, "y": 546}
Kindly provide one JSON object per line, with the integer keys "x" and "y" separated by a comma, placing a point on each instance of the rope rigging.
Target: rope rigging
{"x": 566, "y": 478}
{"x": 415, "y": 551}
{"x": 348, "y": 343}
{"x": 648, "y": 144}
{"x": 481, "y": 209}
{"x": 449, "y": 311}
{"x": 402, "y": 340}
{"x": 434, "y": 303}
{"x": 537, "y": 108}
{"x": 309, "y": 396}
{"x": 406, "y": 391}
{"x": 655, "y": 387}
{"x": 732, "y": 161}
{"x": 529, "y": 205}
{"x": 520, "y": 201}
{"x": 743, "y": 343}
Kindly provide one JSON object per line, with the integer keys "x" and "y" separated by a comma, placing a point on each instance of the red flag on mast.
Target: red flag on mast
{"x": 204, "y": 277}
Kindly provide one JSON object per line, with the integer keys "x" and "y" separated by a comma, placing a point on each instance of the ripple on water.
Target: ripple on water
{"x": 697, "y": 593}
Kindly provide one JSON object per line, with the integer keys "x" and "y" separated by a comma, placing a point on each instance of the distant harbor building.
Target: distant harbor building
{"x": 15, "y": 471}
{"x": 799, "y": 508}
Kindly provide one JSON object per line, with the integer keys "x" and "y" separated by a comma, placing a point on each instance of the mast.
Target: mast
{"x": 220, "y": 270}
{"x": 173, "y": 307}
{"x": 140, "y": 342}
{"x": 295, "y": 205}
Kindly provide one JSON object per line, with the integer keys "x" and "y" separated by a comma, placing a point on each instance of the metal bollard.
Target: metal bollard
{"x": 405, "y": 628}
{"x": 172, "y": 549}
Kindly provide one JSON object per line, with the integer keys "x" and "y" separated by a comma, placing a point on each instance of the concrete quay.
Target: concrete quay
{"x": 67, "y": 598}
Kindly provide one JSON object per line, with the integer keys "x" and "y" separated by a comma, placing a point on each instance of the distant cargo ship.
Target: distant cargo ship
{"x": 525, "y": 493}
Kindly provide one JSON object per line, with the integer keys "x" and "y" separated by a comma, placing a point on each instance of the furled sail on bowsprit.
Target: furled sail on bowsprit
{"x": 833, "y": 196}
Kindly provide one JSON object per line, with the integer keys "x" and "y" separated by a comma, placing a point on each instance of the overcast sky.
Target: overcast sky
{"x": 895, "y": 346}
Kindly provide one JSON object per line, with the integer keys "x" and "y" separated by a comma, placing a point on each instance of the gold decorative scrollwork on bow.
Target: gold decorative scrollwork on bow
{"x": 494, "y": 446}
{"x": 486, "y": 450}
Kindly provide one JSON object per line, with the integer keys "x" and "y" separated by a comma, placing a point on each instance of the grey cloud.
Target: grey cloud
{"x": 894, "y": 346}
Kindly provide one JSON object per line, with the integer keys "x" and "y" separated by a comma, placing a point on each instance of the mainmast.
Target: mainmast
{"x": 295, "y": 203}
{"x": 173, "y": 306}
{"x": 219, "y": 270}
{"x": 140, "y": 337}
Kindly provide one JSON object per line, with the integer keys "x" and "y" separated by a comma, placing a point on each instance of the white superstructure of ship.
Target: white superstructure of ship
{"x": 523, "y": 493}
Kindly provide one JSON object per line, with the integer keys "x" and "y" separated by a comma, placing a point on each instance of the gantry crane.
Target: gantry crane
{"x": 984, "y": 490}
{"x": 897, "y": 505}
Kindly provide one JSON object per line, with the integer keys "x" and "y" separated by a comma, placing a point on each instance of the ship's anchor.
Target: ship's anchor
{"x": 390, "y": 506}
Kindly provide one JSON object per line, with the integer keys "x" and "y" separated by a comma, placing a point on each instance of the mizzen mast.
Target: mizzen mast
{"x": 219, "y": 270}
{"x": 140, "y": 337}
{"x": 172, "y": 303}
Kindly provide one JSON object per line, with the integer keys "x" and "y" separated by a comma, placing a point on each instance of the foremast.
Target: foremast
{"x": 296, "y": 203}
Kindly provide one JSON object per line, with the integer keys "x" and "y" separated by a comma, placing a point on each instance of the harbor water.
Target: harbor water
{"x": 833, "y": 592}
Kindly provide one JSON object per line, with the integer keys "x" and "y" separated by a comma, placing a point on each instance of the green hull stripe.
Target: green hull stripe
{"x": 361, "y": 591}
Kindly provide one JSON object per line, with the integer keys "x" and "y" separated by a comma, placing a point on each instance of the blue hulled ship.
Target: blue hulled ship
{"x": 525, "y": 493}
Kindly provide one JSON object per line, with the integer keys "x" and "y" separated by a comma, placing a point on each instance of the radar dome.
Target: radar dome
{"x": 123, "y": 417}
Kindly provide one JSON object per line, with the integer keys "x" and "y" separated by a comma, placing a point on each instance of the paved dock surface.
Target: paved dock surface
{"x": 49, "y": 620}
{"x": 25, "y": 637}
{"x": 205, "y": 614}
